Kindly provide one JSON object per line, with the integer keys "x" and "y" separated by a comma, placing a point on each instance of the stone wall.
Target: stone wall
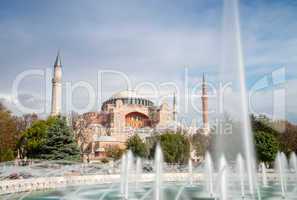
{"x": 43, "y": 183}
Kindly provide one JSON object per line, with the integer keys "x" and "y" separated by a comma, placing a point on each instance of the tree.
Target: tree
{"x": 60, "y": 142}
{"x": 175, "y": 147}
{"x": 266, "y": 145}
{"x": 115, "y": 152}
{"x": 79, "y": 126}
{"x": 263, "y": 123}
{"x": 25, "y": 121}
{"x": 7, "y": 135}
{"x": 137, "y": 146}
{"x": 288, "y": 138}
{"x": 284, "y": 132}
{"x": 33, "y": 139}
{"x": 200, "y": 143}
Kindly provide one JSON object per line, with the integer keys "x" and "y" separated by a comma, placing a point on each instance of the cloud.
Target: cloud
{"x": 141, "y": 40}
{"x": 274, "y": 101}
{"x": 27, "y": 101}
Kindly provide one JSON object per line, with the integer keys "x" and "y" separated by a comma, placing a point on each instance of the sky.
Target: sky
{"x": 149, "y": 41}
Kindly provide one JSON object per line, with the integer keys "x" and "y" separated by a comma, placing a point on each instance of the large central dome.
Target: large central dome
{"x": 128, "y": 97}
{"x": 126, "y": 94}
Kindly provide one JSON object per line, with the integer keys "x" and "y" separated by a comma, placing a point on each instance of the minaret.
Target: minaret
{"x": 204, "y": 98}
{"x": 57, "y": 87}
{"x": 174, "y": 108}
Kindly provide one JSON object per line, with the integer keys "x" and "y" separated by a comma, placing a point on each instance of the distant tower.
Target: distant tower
{"x": 57, "y": 87}
{"x": 174, "y": 107}
{"x": 204, "y": 98}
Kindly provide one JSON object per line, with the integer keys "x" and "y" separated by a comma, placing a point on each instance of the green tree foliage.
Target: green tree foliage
{"x": 137, "y": 146}
{"x": 266, "y": 138}
{"x": 284, "y": 132}
{"x": 200, "y": 143}
{"x": 267, "y": 146}
{"x": 115, "y": 152}
{"x": 33, "y": 139}
{"x": 7, "y": 135}
{"x": 175, "y": 147}
{"x": 262, "y": 123}
{"x": 60, "y": 142}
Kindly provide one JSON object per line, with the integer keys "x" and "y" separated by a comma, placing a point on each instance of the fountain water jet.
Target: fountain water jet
{"x": 158, "y": 172}
{"x": 235, "y": 99}
{"x": 223, "y": 178}
{"x": 209, "y": 174}
{"x": 280, "y": 167}
{"x": 240, "y": 171}
{"x": 190, "y": 166}
{"x": 138, "y": 174}
{"x": 293, "y": 163}
{"x": 264, "y": 174}
{"x": 128, "y": 165}
{"x": 123, "y": 174}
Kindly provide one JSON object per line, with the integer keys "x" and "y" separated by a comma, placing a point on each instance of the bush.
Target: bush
{"x": 33, "y": 139}
{"x": 6, "y": 154}
{"x": 200, "y": 143}
{"x": 175, "y": 147}
{"x": 267, "y": 146}
{"x": 115, "y": 152}
{"x": 137, "y": 146}
{"x": 104, "y": 160}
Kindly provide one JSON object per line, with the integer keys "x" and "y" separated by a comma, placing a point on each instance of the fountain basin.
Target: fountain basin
{"x": 32, "y": 184}
{"x": 55, "y": 183}
{"x": 170, "y": 191}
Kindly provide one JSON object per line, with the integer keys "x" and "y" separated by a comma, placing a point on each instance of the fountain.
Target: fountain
{"x": 128, "y": 165}
{"x": 293, "y": 163}
{"x": 233, "y": 97}
{"x": 280, "y": 167}
{"x": 158, "y": 173}
{"x": 264, "y": 175}
{"x": 209, "y": 174}
{"x": 123, "y": 174}
{"x": 223, "y": 183}
{"x": 190, "y": 166}
{"x": 223, "y": 175}
{"x": 241, "y": 173}
{"x": 138, "y": 174}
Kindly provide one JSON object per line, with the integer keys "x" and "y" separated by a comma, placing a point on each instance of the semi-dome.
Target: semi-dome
{"x": 128, "y": 97}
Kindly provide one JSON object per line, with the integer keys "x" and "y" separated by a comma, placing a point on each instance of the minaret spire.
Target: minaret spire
{"x": 174, "y": 107}
{"x": 203, "y": 78}
{"x": 204, "y": 99}
{"x": 58, "y": 62}
{"x": 57, "y": 87}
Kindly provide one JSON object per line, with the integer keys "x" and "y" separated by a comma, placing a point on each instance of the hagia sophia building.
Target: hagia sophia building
{"x": 124, "y": 114}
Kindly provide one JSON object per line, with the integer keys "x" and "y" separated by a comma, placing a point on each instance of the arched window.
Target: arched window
{"x": 136, "y": 120}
